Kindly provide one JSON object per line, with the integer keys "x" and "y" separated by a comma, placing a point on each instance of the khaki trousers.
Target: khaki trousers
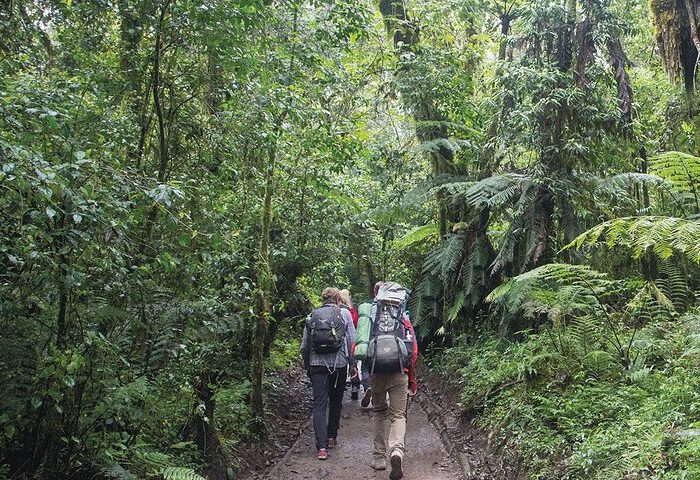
{"x": 392, "y": 415}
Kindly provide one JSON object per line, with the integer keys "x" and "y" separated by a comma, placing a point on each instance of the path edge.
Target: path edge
{"x": 282, "y": 461}
{"x": 435, "y": 415}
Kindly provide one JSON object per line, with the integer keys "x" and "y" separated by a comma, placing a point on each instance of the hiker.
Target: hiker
{"x": 366, "y": 309}
{"x": 346, "y": 304}
{"x": 391, "y": 359}
{"x": 326, "y": 348}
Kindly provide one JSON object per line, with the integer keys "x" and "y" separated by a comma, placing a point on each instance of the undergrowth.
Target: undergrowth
{"x": 578, "y": 413}
{"x": 150, "y": 420}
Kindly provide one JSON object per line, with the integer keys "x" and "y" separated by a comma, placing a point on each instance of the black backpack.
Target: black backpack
{"x": 326, "y": 329}
{"x": 390, "y": 347}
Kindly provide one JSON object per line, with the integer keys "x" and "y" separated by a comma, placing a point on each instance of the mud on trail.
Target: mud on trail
{"x": 425, "y": 458}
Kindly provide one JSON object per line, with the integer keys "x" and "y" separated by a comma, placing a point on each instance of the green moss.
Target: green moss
{"x": 667, "y": 25}
{"x": 663, "y": 15}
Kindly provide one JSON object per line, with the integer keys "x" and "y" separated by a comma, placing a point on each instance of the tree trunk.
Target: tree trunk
{"x": 162, "y": 143}
{"x": 265, "y": 287}
{"x": 162, "y": 140}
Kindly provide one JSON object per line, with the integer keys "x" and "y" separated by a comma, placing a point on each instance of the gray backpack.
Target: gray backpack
{"x": 389, "y": 349}
{"x": 326, "y": 329}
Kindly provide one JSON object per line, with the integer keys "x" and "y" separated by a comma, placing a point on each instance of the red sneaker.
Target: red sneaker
{"x": 322, "y": 454}
{"x": 332, "y": 443}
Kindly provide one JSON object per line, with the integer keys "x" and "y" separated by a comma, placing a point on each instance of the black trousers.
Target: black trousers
{"x": 328, "y": 394}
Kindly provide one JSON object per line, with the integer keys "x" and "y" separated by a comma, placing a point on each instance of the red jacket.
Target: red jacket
{"x": 354, "y": 314}
{"x": 411, "y": 371}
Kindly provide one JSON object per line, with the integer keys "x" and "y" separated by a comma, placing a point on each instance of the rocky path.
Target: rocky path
{"x": 425, "y": 459}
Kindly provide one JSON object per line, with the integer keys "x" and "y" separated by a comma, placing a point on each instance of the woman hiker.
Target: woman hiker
{"x": 326, "y": 347}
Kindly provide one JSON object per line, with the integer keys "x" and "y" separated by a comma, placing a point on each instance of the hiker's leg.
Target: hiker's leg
{"x": 381, "y": 414}
{"x": 397, "y": 387}
{"x": 364, "y": 374}
{"x": 355, "y": 384}
{"x": 319, "y": 381}
{"x": 336, "y": 388}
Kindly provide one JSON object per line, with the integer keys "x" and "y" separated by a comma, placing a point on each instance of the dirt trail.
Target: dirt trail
{"x": 425, "y": 458}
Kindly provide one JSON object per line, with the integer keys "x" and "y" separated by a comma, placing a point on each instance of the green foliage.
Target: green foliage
{"x": 682, "y": 172}
{"x": 569, "y": 289}
{"x": 181, "y": 473}
{"x": 284, "y": 353}
{"x": 575, "y": 415}
{"x": 234, "y": 417}
{"x": 416, "y": 235}
{"x": 664, "y": 236}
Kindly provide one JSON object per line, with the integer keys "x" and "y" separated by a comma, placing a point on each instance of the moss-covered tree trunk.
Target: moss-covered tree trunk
{"x": 265, "y": 283}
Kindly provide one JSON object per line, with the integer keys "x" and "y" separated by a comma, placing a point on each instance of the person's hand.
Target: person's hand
{"x": 353, "y": 372}
{"x": 413, "y": 388}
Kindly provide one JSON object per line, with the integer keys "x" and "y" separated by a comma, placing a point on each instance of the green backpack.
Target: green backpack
{"x": 364, "y": 330}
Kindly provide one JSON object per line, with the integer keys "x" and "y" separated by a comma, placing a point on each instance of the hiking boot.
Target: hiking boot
{"x": 354, "y": 393}
{"x": 379, "y": 463}
{"x": 322, "y": 454}
{"x": 332, "y": 443}
{"x": 396, "y": 470}
{"x": 366, "y": 398}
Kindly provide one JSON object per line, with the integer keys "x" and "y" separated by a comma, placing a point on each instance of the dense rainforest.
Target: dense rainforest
{"x": 180, "y": 179}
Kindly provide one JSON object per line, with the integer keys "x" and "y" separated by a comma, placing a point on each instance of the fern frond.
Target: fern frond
{"x": 424, "y": 303}
{"x": 663, "y": 235}
{"x": 434, "y": 146}
{"x": 452, "y": 254}
{"x": 446, "y": 257}
{"x": 674, "y": 285}
{"x": 416, "y": 235}
{"x": 649, "y": 303}
{"x": 457, "y": 306}
{"x": 682, "y": 171}
{"x": 117, "y": 472}
{"x": 494, "y": 191}
{"x": 553, "y": 286}
{"x": 473, "y": 270}
{"x": 180, "y": 473}
{"x": 522, "y": 217}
